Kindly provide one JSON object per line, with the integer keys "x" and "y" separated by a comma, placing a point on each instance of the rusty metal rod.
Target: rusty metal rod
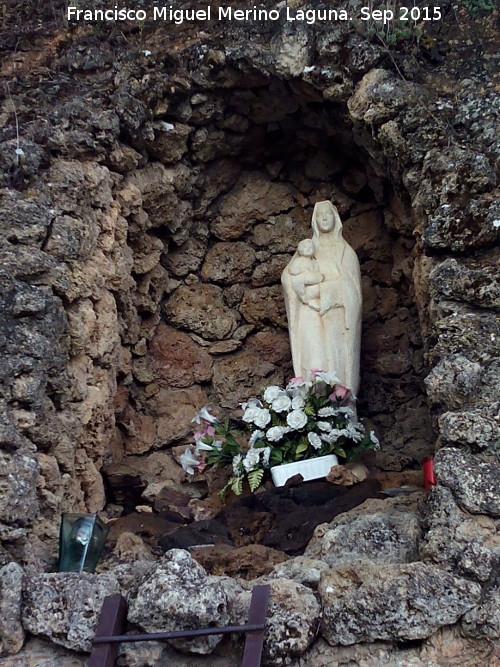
{"x": 180, "y": 634}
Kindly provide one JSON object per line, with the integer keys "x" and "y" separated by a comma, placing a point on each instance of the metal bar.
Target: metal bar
{"x": 178, "y": 634}
{"x": 111, "y": 621}
{"x": 254, "y": 643}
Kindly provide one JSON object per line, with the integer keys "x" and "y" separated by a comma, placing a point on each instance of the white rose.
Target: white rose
{"x": 314, "y": 440}
{"x": 250, "y": 414}
{"x": 325, "y": 426}
{"x": 262, "y": 418}
{"x": 275, "y": 433}
{"x": 298, "y": 402}
{"x": 281, "y": 403}
{"x": 296, "y": 419}
{"x": 272, "y": 392}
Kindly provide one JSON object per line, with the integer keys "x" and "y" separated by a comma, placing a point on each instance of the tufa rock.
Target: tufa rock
{"x": 291, "y": 622}
{"x": 65, "y": 606}
{"x": 11, "y": 629}
{"x": 377, "y": 537}
{"x": 473, "y": 482}
{"x": 179, "y": 595}
{"x": 368, "y": 602}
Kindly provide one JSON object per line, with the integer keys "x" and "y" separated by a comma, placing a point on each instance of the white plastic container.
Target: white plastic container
{"x": 309, "y": 469}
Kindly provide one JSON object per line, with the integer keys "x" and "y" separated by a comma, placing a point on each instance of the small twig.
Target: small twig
{"x": 386, "y": 47}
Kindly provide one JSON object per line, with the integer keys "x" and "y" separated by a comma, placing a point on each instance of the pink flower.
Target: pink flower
{"x": 315, "y": 372}
{"x": 201, "y": 466}
{"x": 206, "y": 429}
{"x": 295, "y": 382}
{"x": 339, "y": 394}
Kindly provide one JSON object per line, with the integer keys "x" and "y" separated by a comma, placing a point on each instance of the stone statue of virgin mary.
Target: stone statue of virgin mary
{"x": 322, "y": 288}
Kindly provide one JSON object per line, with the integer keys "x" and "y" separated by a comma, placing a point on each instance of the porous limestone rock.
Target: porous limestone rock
{"x": 478, "y": 429}
{"x": 11, "y": 629}
{"x": 241, "y": 375}
{"x": 228, "y": 262}
{"x": 456, "y": 540}
{"x": 65, "y": 606}
{"x": 291, "y": 621}
{"x": 453, "y": 381}
{"x": 446, "y": 648}
{"x": 176, "y": 360}
{"x": 483, "y": 621}
{"x": 18, "y": 499}
{"x": 253, "y": 199}
{"x": 200, "y": 309}
{"x": 474, "y": 483}
{"x": 39, "y": 653}
{"x": 301, "y": 569}
{"x": 377, "y": 537}
{"x": 380, "y": 95}
{"x": 369, "y": 602}
{"x": 468, "y": 281}
{"x": 177, "y": 594}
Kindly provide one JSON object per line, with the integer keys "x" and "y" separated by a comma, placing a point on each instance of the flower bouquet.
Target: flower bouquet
{"x": 305, "y": 420}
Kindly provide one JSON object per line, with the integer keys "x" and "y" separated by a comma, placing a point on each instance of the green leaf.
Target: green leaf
{"x": 255, "y": 479}
{"x": 301, "y": 447}
{"x": 236, "y": 485}
{"x": 276, "y": 456}
{"x": 340, "y": 452}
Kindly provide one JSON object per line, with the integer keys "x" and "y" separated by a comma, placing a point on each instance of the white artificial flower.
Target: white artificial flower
{"x": 328, "y": 412}
{"x": 204, "y": 415}
{"x": 299, "y": 390}
{"x": 275, "y": 433}
{"x": 254, "y": 437}
{"x": 266, "y": 453}
{"x": 189, "y": 461}
{"x": 328, "y": 377}
{"x": 375, "y": 440}
{"x": 325, "y": 426}
{"x": 251, "y": 403}
{"x": 348, "y": 412}
{"x": 314, "y": 440}
{"x": 251, "y": 460}
{"x": 237, "y": 464}
{"x": 332, "y": 436}
{"x": 204, "y": 447}
{"x": 296, "y": 419}
{"x": 354, "y": 431}
{"x": 250, "y": 414}
{"x": 298, "y": 402}
{"x": 262, "y": 418}
{"x": 271, "y": 393}
{"x": 281, "y": 403}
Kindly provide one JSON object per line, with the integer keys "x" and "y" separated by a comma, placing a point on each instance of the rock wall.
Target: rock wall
{"x": 148, "y": 208}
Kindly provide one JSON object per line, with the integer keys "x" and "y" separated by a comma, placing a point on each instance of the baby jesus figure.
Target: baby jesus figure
{"x": 305, "y": 274}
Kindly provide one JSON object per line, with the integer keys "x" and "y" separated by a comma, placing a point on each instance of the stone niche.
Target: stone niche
{"x": 225, "y": 191}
